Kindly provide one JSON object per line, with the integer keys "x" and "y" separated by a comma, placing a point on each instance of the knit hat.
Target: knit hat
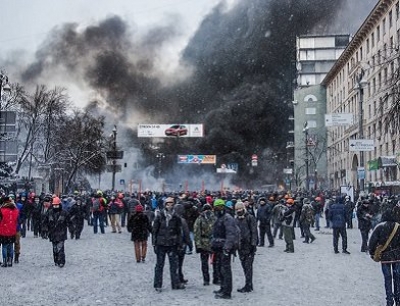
{"x": 169, "y": 200}
{"x": 206, "y": 207}
{"x": 219, "y": 202}
{"x": 139, "y": 208}
{"x": 56, "y": 201}
{"x": 229, "y": 204}
{"x": 239, "y": 205}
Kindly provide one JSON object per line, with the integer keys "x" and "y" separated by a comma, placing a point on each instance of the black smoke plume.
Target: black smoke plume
{"x": 239, "y": 84}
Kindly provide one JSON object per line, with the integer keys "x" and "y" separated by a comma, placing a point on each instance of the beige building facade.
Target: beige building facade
{"x": 363, "y": 153}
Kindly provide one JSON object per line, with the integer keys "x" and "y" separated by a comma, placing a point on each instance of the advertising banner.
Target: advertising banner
{"x": 228, "y": 168}
{"x": 170, "y": 130}
{"x": 197, "y": 159}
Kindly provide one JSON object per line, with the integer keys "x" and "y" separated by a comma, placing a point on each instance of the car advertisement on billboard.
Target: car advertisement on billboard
{"x": 170, "y": 130}
{"x": 197, "y": 159}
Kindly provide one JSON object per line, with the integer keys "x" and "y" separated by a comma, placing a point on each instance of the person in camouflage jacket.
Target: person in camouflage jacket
{"x": 203, "y": 227}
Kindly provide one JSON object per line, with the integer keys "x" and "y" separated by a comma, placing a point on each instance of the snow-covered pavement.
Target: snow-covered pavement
{"x": 101, "y": 270}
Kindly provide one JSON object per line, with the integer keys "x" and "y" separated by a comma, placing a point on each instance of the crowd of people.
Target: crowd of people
{"x": 216, "y": 225}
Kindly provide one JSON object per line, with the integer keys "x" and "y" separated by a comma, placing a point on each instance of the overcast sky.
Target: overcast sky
{"x": 25, "y": 24}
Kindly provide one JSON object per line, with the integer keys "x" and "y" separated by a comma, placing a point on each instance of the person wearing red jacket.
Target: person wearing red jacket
{"x": 8, "y": 230}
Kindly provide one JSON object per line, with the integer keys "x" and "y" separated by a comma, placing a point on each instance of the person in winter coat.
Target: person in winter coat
{"x": 21, "y": 220}
{"x": 264, "y": 214}
{"x": 115, "y": 207}
{"x": 167, "y": 240}
{"x": 57, "y": 221}
{"x": 349, "y": 205}
{"x": 287, "y": 225}
{"x": 223, "y": 244}
{"x": 8, "y": 230}
{"x": 44, "y": 230}
{"x": 306, "y": 219}
{"x": 186, "y": 240}
{"x": 277, "y": 210}
{"x": 139, "y": 226}
{"x": 36, "y": 221}
{"x": 248, "y": 244}
{"x": 77, "y": 218}
{"x": 390, "y": 260}
{"x": 202, "y": 237}
{"x": 364, "y": 217}
{"x": 337, "y": 217}
{"x": 97, "y": 209}
{"x": 317, "y": 207}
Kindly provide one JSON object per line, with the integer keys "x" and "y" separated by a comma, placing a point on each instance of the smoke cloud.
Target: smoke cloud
{"x": 235, "y": 75}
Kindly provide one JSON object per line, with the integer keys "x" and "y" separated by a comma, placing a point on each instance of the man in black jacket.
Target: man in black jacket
{"x": 223, "y": 244}
{"x": 167, "y": 239}
{"x": 264, "y": 213}
{"x": 57, "y": 220}
{"x": 248, "y": 242}
{"x": 390, "y": 259}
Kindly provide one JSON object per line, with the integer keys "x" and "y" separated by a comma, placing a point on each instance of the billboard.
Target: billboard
{"x": 170, "y": 130}
{"x": 228, "y": 168}
{"x": 197, "y": 159}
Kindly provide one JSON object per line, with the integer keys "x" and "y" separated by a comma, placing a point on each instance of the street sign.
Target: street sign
{"x": 338, "y": 119}
{"x": 110, "y": 168}
{"x": 288, "y": 171}
{"x": 254, "y": 157}
{"x": 361, "y": 173}
{"x": 361, "y": 145}
{"x": 254, "y": 162}
{"x": 115, "y": 154}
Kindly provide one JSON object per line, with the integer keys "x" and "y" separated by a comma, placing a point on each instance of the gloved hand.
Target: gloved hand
{"x": 155, "y": 249}
{"x": 225, "y": 252}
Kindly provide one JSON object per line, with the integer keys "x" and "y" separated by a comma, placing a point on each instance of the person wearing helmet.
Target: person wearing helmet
{"x": 44, "y": 231}
{"x": 287, "y": 225}
{"x": 57, "y": 220}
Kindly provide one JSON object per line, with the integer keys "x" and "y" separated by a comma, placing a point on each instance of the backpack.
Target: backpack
{"x": 309, "y": 214}
{"x": 97, "y": 204}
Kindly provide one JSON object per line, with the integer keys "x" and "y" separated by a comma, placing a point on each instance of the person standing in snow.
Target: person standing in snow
{"x": 77, "y": 218}
{"x": 364, "y": 217}
{"x": 390, "y": 260}
{"x": 167, "y": 240}
{"x": 8, "y": 230}
{"x": 288, "y": 224}
{"x": 57, "y": 221}
{"x": 337, "y": 217}
{"x": 139, "y": 226}
{"x": 223, "y": 242}
{"x": 248, "y": 243}
{"x": 264, "y": 214}
{"x": 306, "y": 219}
{"x": 202, "y": 236}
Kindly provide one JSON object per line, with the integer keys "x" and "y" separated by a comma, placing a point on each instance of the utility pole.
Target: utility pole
{"x": 360, "y": 85}
{"x": 305, "y": 130}
{"x": 114, "y": 161}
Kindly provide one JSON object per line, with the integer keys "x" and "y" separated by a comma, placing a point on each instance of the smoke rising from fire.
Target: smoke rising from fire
{"x": 235, "y": 75}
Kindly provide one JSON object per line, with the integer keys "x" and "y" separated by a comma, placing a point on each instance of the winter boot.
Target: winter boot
{"x": 4, "y": 264}
{"x": 9, "y": 261}
{"x": 16, "y": 259}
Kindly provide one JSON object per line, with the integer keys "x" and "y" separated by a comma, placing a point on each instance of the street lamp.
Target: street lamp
{"x": 305, "y": 131}
{"x": 114, "y": 162}
{"x": 361, "y": 82}
{"x": 160, "y": 157}
{"x": 4, "y": 86}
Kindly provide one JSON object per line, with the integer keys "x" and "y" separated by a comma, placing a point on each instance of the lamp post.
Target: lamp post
{"x": 305, "y": 131}
{"x": 361, "y": 82}
{"x": 160, "y": 157}
{"x": 114, "y": 162}
{"x": 4, "y": 86}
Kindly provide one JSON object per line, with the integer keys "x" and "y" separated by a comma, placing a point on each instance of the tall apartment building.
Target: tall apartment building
{"x": 316, "y": 55}
{"x": 359, "y": 84}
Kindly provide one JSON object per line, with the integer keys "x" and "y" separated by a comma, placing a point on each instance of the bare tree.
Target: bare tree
{"x": 80, "y": 145}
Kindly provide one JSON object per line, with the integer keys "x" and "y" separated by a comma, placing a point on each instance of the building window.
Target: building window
{"x": 390, "y": 19}
{"x": 394, "y": 147}
{"x": 385, "y": 75}
{"x": 367, "y": 43}
{"x": 341, "y": 40}
{"x": 379, "y": 80}
{"x": 374, "y": 108}
{"x": 369, "y": 111}
{"x": 372, "y": 40}
{"x": 311, "y": 111}
{"x": 361, "y": 54}
{"x": 397, "y": 11}
{"x": 378, "y": 34}
{"x": 383, "y": 26}
{"x": 387, "y": 148}
{"x": 374, "y": 86}
{"x": 311, "y": 123}
{"x": 307, "y": 67}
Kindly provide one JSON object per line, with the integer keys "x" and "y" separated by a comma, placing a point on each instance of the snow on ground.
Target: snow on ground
{"x": 101, "y": 270}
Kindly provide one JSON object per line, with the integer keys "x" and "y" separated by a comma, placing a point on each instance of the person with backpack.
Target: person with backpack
{"x": 306, "y": 219}
{"x": 277, "y": 214}
{"x": 202, "y": 237}
{"x": 225, "y": 241}
{"x": 247, "y": 224}
{"x": 98, "y": 206}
